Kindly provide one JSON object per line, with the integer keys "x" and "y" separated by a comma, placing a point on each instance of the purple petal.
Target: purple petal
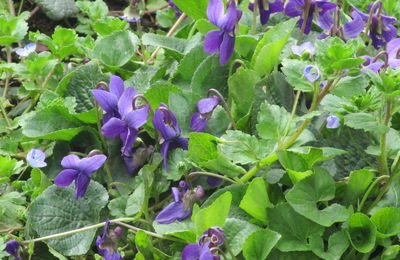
{"x": 81, "y": 183}
{"x": 376, "y": 66}
{"x": 306, "y": 46}
{"x": 176, "y": 194}
{"x": 354, "y": 28}
{"x": 264, "y": 15}
{"x": 311, "y": 73}
{"x": 165, "y": 129}
{"x": 276, "y": 7}
{"x": 394, "y": 63}
{"x": 307, "y": 28}
{"x": 205, "y": 252}
{"x": 125, "y": 102}
{"x": 229, "y": 20}
{"x": 91, "y": 164}
{"x": 363, "y": 16}
{"x": 388, "y": 19}
{"x": 107, "y": 101}
{"x": 26, "y": 50}
{"x": 35, "y": 158}
{"x": 198, "y": 122}
{"x": 325, "y": 21}
{"x": 12, "y": 248}
{"x": 172, "y": 212}
{"x": 137, "y": 118}
{"x": 116, "y": 86}
{"x": 324, "y": 6}
{"x": 207, "y": 105}
{"x": 332, "y": 122}
{"x": 65, "y": 177}
{"x": 113, "y": 127}
{"x": 191, "y": 252}
{"x": 70, "y": 161}
{"x": 215, "y": 11}
{"x": 180, "y": 142}
{"x": 128, "y": 139}
{"x": 393, "y": 48}
{"x": 164, "y": 153}
{"x": 212, "y": 41}
{"x": 294, "y": 8}
{"x": 389, "y": 33}
{"x": 213, "y": 181}
{"x": 227, "y": 46}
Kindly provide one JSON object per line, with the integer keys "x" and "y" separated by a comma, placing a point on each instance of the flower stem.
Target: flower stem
{"x": 9, "y": 60}
{"x": 384, "y": 189}
{"x": 384, "y": 168}
{"x": 11, "y": 7}
{"x": 369, "y": 190}
{"x": 193, "y": 174}
{"x": 296, "y": 101}
{"x": 254, "y": 23}
{"x": 3, "y": 111}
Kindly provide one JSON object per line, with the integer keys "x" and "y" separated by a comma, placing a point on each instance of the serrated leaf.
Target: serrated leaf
{"x": 12, "y": 29}
{"x": 366, "y": 122}
{"x": 294, "y": 72}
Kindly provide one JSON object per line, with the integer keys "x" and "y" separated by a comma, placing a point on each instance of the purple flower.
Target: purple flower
{"x": 12, "y": 247}
{"x": 307, "y": 47}
{"x": 129, "y": 19}
{"x": 311, "y": 73}
{"x": 392, "y": 51}
{"x": 137, "y": 158}
{"x": 178, "y": 209}
{"x": 332, "y": 122}
{"x": 35, "y": 158}
{"x": 108, "y": 100}
{"x": 381, "y": 28}
{"x": 165, "y": 123}
{"x": 178, "y": 11}
{"x": 222, "y": 40}
{"x": 207, "y": 247}
{"x": 299, "y": 8}
{"x": 205, "y": 107}
{"x": 26, "y": 50}
{"x": 129, "y": 122}
{"x": 266, "y": 11}
{"x": 106, "y": 243}
{"x": 79, "y": 170}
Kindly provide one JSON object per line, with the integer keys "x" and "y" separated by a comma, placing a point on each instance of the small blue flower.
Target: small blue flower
{"x": 311, "y": 73}
{"x": 26, "y": 50}
{"x": 35, "y": 158}
{"x": 332, "y": 122}
{"x": 305, "y": 47}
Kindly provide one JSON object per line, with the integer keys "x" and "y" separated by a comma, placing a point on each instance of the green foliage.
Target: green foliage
{"x": 58, "y": 9}
{"x": 12, "y": 29}
{"x": 362, "y": 232}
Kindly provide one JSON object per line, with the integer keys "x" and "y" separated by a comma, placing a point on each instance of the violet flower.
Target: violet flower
{"x": 222, "y": 40}
{"x": 106, "y": 243}
{"x": 381, "y": 28}
{"x": 108, "y": 100}
{"x": 311, "y": 73}
{"x": 131, "y": 119}
{"x": 26, "y": 50}
{"x": 332, "y": 122}
{"x": 266, "y": 11}
{"x": 12, "y": 248}
{"x": 307, "y": 47}
{"x": 205, "y": 107}
{"x": 207, "y": 246}
{"x": 392, "y": 51}
{"x": 315, "y": 7}
{"x": 166, "y": 124}
{"x": 79, "y": 170}
{"x": 35, "y": 158}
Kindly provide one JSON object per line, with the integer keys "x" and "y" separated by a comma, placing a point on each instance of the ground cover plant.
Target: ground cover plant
{"x": 207, "y": 129}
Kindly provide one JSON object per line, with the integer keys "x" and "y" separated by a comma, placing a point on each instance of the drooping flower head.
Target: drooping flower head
{"x": 12, "y": 247}
{"x": 207, "y": 246}
{"x": 35, "y": 158}
{"x": 311, "y": 73}
{"x": 381, "y": 28}
{"x": 306, "y": 9}
{"x": 332, "y": 122}
{"x": 266, "y": 8}
{"x": 107, "y": 243}
{"x": 26, "y": 50}
{"x": 130, "y": 120}
{"x": 166, "y": 124}
{"x": 306, "y": 47}
{"x": 78, "y": 170}
{"x": 222, "y": 40}
{"x": 205, "y": 107}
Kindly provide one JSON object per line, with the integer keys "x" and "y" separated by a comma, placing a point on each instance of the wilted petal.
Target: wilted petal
{"x": 113, "y": 127}
{"x": 198, "y": 122}
{"x": 116, "y": 86}
{"x": 35, "y": 158}
{"x": 332, "y": 122}
{"x": 107, "y": 101}
{"x": 125, "y": 102}
{"x": 172, "y": 212}
{"x": 70, "y": 161}
{"x": 212, "y": 41}
{"x": 215, "y": 11}
{"x": 354, "y": 28}
{"x": 81, "y": 183}
{"x": 137, "y": 118}
{"x": 65, "y": 177}
{"x": 91, "y": 164}
{"x": 227, "y": 47}
{"x": 191, "y": 252}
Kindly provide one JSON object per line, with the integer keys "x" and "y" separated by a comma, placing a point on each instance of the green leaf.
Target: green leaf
{"x": 256, "y": 201}
{"x": 267, "y": 52}
{"x": 171, "y": 43}
{"x": 387, "y": 222}
{"x": 12, "y": 205}
{"x": 159, "y": 93}
{"x": 294, "y": 72}
{"x": 189, "y": 63}
{"x": 213, "y": 215}
{"x": 143, "y": 244}
{"x": 124, "y": 44}
{"x": 58, "y": 9}
{"x": 57, "y": 210}
{"x": 366, "y": 122}
{"x": 181, "y": 229}
{"x": 12, "y": 29}
{"x": 307, "y": 194}
{"x": 135, "y": 201}
{"x": 180, "y": 103}
{"x": 362, "y": 232}
{"x": 194, "y": 9}
{"x": 337, "y": 245}
{"x": 236, "y": 232}
{"x": 259, "y": 244}
{"x": 245, "y": 45}
{"x": 271, "y": 121}
{"x": 349, "y": 87}
{"x": 293, "y": 227}
{"x": 9, "y": 167}
{"x": 391, "y": 252}
{"x": 359, "y": 180}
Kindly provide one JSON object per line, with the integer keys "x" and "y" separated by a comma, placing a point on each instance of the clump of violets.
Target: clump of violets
{"x": 222, "y": 40}
{"x": 332, "y": 122}
{"x": 107, "y": 243}
{"x": 266, "y": 8}
{"x": 35, "y": 158}
{"x": 207, "y": 246}
{"x": 181, "y": 207}
{"x": 12, "y": 248}
{"x": 306, "y": 9}
{"x": 26, "y": 50}
{"x": 166, "y": 124}
{"x": 205, "y": 107}
{"x": 80, "y": 171}
{"x": 311, "y": 73}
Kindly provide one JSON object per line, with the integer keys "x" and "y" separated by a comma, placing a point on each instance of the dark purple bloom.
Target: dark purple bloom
{"x": 178, "y": 12}
{"x": 311, "y": 73}
{"x": 381, "y": 28}
{"x": 35, "y": 158}
{"x": 165, "y": 123}
{"x": 106, "y": 243}
{"x": 213, "y": 181}
{"x": 207, "y": 247}
{"x": 307, "y": 47}
{"x": 315, "y": 7}
{"x": 222, "y": 40}
{"x": 79, "y": 170}
{"x": 129, "y": 122}
{"x": 178, "y": 209}
{"x": 332, "y": 122}
{"x": 108, "y": 100}
{"x": 267, "y": 8}
{"x": 12, "y": 247}
{"x": 205, "y": 107}
{"x": 137, "y": 158}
